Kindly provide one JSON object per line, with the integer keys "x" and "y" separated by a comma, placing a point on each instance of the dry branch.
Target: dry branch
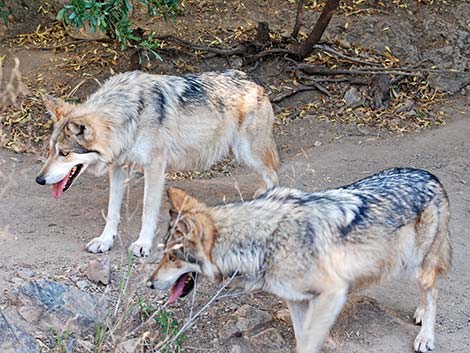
{"x": 298, "y": 18}
{"x": 316, "y": 70}
{"x": 315, "y": 35}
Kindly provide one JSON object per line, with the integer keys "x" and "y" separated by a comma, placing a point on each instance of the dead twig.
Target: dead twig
{"x": 316, "y": 70}
{"x": 311, "y": 86}
{"x": 238, "y": 50}
{"x": 75, "y": 42}
{"x": 330, "y": 50}
{"x": 298, "y": 18}
{"x": 280, "y": 97}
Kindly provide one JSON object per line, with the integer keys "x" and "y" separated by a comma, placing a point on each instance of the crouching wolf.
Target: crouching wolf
{"x": 312, "y": 248}
{"x": 160, "y": 123}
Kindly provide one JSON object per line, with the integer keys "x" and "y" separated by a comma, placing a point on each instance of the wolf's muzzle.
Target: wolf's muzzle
{"x": 40, "y": 180}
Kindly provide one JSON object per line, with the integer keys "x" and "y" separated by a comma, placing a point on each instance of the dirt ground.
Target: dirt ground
{"x": 42, "y": 238}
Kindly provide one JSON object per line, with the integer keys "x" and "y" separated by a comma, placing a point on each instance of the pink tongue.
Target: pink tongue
{"x": 58, "y": 188}
{"x": 177, "y": 289}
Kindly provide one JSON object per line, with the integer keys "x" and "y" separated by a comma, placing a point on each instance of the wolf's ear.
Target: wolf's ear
{"x": 56, "y": 106}
{"x": 181, "y": 201}
{"x": 81, "y": 130}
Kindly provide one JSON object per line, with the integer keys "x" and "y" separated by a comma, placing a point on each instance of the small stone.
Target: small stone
{"x": 317, "y": 143}
{"x": 17, "y": 281}
{"x": 99, "y": 271}
{"x": 236, "y": 62}
{"x": 353, "y": 98}
{"x": 284, "y": 316}
{"x": 269, "y": 340}
{"x": 244, "y": 319}
{"x": 30, "y": 313}
{"x": 82, "y": 284}
{"x": 129, "y": 346}
{"x": 236, "y": 349}
{"x": 26, "y": 274}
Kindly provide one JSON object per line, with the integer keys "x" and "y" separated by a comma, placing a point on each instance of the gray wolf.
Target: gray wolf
{"x": 158, "y": 122}
{"x": 313, "y": 248}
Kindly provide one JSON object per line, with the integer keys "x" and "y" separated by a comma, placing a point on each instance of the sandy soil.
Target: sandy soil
{"x": 47, "y": 237}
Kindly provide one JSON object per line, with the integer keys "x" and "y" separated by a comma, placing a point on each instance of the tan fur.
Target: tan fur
{"x": 160, "y": 123}
{"x": 268, "y": 245}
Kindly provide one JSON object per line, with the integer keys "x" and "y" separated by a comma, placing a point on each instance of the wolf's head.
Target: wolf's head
{"x": 78, "y": 140}
{"x": 188, "y": 246}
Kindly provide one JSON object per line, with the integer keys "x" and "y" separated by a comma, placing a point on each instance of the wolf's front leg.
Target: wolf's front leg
{"x": 321, "y": 315}
{"x": 117, "y": 188}
{"x": 154, "y": 175}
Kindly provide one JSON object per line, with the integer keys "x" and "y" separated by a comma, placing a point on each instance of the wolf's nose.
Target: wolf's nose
{"x": 40, "y": 180}
{"x": 150, "y": 284}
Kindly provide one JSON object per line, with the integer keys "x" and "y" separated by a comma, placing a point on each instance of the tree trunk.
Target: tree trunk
{"x": 314, "y": 37}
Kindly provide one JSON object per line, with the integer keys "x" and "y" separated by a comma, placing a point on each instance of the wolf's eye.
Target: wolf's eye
{"x": 63, "y": 154}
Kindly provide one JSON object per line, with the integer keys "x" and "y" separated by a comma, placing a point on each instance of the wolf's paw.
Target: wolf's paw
{"x": 418, "y": 316}
{"x": 99, "y": 244}
{"x": 140, "y": 249}
{"x": 424, "y": 342}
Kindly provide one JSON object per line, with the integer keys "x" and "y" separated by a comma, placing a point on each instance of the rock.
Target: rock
{"x": 449, "y": 82}
{"x": 236, "y": 62}
{"x": 284, "y": 316}
{"x": 99, "y": 271}
{"x": 30, "y": 313}
{"x": 26, "y": 274}
{"x": 236, "y": 349}
{"x": 13, "y": 337}
{"x": 129, "y": 346}
{"x": 269, "y": 340}
{"x": 244, "y": 319}
{"x": 405, "y": 106}
{"x": 353, "y": 98}
{"x": 57, "y": 305}
{"x": 82, "y": 284}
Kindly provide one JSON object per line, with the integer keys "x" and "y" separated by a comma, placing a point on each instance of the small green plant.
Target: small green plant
{"x": 63, "y": 340}
{"x": 113, "y": 18}
{"x": 100, "y": 337}
{"x": 169, "y": 328}
{"x": 4, "y": 13}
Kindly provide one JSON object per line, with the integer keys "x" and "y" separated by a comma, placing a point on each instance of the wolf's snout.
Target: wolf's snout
{"x": 40, "y": 180}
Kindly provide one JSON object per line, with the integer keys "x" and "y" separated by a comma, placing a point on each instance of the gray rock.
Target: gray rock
{"x": 129, "y": 346}
{"x": 82, "y": 284}
{"x": 30, "y": 313}
{"x": 269, "y": 340}
{"x": 449, "y": 82}
{"x": 244, "y": 319}
{"x": 13, "y": 337}
{"x": 58, "y": 306}
{"x": 236, "y": 349}
{"x": 99, "y": 271}
{"x": 353, "y": 98}
{"x": 26, "y": 274}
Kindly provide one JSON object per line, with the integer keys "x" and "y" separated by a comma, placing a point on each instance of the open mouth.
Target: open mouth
{"x": 66, "y": 183}
{"x": 182, "y": 287}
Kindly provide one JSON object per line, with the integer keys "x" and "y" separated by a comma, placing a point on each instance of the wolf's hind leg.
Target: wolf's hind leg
{"x": 154, "y": 176}
{"x": 262, "y": 159}
{"x": 321, "y": 315}
{"x": 117, "y": 188}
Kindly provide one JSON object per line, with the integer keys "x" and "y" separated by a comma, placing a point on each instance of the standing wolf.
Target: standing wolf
{"x": 312, "y": 248}
{"x": 159, "y": 122}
